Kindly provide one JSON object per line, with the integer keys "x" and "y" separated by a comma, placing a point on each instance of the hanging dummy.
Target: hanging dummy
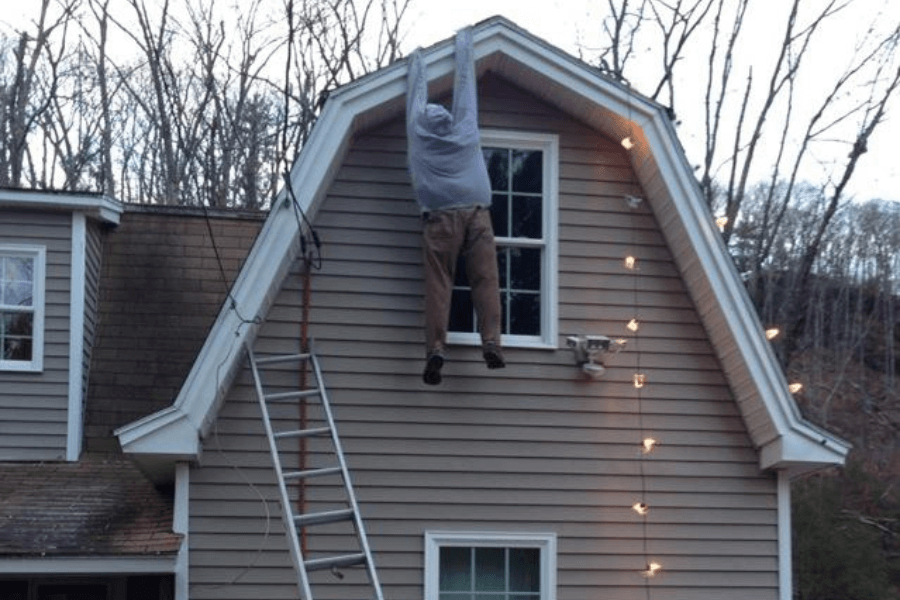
{"x": 452, "y": 188}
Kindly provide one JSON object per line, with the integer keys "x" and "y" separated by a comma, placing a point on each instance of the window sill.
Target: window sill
{"x": 508, "y": 341}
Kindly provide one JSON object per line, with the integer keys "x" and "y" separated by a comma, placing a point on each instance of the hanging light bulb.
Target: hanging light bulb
{"x": 633, "y": 325}
{"x": 721, "y": 222}
{"x": 795, "y": 387}
{"x": 627, "y": 143}
{"x": 652, "y": 569}
{"x": 648, "y": 445}
{"x": 772, "y": 333}
{"x": 630, "y": 262}
{"x": 640, "y": 508}
{"x": 639, "y": 380}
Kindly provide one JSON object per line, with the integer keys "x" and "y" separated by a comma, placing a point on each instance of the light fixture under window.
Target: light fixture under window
{"x": 591, "y": 350}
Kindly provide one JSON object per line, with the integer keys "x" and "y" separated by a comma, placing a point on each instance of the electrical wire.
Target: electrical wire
{"x": 301, "y": 218}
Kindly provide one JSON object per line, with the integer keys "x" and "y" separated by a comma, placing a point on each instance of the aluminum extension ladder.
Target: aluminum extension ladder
{"x": 294, "y": 523}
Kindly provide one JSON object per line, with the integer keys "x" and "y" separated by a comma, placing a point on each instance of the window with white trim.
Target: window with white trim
{"x": 523, "y": 169}
{"x": 490, "y": 566}
{"x": 21, "y": 307}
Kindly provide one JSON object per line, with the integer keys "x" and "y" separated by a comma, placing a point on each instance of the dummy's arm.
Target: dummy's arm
{"x": 416, "y": 90}
{"x": 465, "y": 96}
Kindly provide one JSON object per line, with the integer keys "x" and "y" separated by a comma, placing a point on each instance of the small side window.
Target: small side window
{"x": 21, "y": 307}
{"x": 498, "y": 566}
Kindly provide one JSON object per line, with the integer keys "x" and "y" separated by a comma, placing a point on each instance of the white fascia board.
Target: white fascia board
{"x": 168, "y": 431}
{"x": 99, "y": 207}
{"x": 804, "y": 449}
{"x": 101, "y": 565}
{"x": 797, "y": 442}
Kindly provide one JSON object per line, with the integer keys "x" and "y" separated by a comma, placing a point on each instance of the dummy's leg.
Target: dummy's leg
{"x": 441, "y": 239}
{"x": 481, "y": 267}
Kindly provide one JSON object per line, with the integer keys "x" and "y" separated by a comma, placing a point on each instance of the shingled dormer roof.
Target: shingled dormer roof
{"x": 784, "y": 440}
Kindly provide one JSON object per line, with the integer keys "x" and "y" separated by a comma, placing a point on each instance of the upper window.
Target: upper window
{"x": 21, "y": 307}
{"x": 495, "y": 566}
{"x": 523, "y": 173}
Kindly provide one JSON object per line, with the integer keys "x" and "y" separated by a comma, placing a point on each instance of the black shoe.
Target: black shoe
{"x": 432, "y": 374}
{"x": 493, "y": 357}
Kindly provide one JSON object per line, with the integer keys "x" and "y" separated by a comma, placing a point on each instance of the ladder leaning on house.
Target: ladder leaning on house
{"x": 295, "y": 523}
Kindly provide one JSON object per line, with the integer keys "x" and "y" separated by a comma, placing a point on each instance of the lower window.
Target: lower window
{"x": 490, "y": 566}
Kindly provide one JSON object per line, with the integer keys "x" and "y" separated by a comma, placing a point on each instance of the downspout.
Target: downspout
{"x": 180, "y": 525}
{"x": 785, "y": 565}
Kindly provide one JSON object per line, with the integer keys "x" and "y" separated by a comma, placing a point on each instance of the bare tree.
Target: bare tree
{"x": 753, "y": 129}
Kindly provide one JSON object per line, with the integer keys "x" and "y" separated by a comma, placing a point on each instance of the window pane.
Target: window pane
{"x": 497, "y": 161}
{"x": 500, "y": 214}
{"x": 525, "y": 268}
{"x": 527, "y": 217}
{"x": 455, "y": 596}
{"x": 461, "y": 311}
{"x": 524, "y": 313}
{"x": 502, "y": 270}
{"x": 460, "y": 277}
{"x": 17, "y": 294}
{"x": 527, "y": 171}
{"x": 490, "y": 569}
{"x": 524, "y": 570}
{"x": 18, "y": 324}
{"x": 15, "y": 333}
{"x": 16, "y": 349}
{"x": 455, "y": 569}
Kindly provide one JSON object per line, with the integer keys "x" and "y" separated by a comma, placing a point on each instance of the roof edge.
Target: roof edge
{"x": 97, "y": 206}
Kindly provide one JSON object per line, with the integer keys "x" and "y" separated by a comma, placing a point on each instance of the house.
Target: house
{"x": 122, "y": 298}
{"x": 521, "y": 482}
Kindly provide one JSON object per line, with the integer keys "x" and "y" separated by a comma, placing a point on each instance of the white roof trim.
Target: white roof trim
{"x": 184, "y": 424}
{"x": 96, "y": 206}
{"x": 83, "y": 565}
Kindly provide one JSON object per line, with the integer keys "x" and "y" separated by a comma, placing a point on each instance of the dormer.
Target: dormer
{"x": 50, "y": 249}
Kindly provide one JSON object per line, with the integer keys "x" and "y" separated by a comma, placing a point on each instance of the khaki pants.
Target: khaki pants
{"x": 445, "y": 236}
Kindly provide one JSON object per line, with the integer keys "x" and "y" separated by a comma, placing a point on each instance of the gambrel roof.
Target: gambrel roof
{"x": 782, "y": 437}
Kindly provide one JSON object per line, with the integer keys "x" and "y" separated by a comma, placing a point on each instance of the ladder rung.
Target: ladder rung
{"x": 292, "y": 395}
{"x": 312, "y": 473}
{"x": 320, "y": 518}
{"x": 302, "y": 433}
{"x": 280, "y": 358}
{"x": 330, "y": 562}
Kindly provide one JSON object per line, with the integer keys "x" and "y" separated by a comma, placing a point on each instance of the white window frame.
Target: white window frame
{"x": 39, "y": 255}
{"x": 545, "y": 542}
{"x": 548, "y": 144}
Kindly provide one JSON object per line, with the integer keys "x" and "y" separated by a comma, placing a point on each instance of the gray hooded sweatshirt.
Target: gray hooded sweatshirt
{"x": 445, "y": 159}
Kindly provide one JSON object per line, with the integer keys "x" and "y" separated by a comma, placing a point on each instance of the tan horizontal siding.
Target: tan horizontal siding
{"x": 36, "y": 403}
{"x": 533, "y": 447}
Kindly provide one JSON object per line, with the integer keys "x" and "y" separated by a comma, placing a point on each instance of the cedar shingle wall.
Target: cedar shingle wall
{"x": 533, "y": 447}
{"x": 160, "y": 292}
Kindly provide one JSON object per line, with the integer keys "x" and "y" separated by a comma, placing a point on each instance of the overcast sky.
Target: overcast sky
{"x": 576, "y": 26}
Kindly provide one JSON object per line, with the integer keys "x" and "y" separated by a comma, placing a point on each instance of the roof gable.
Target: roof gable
{"x": 782, "y": 437}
